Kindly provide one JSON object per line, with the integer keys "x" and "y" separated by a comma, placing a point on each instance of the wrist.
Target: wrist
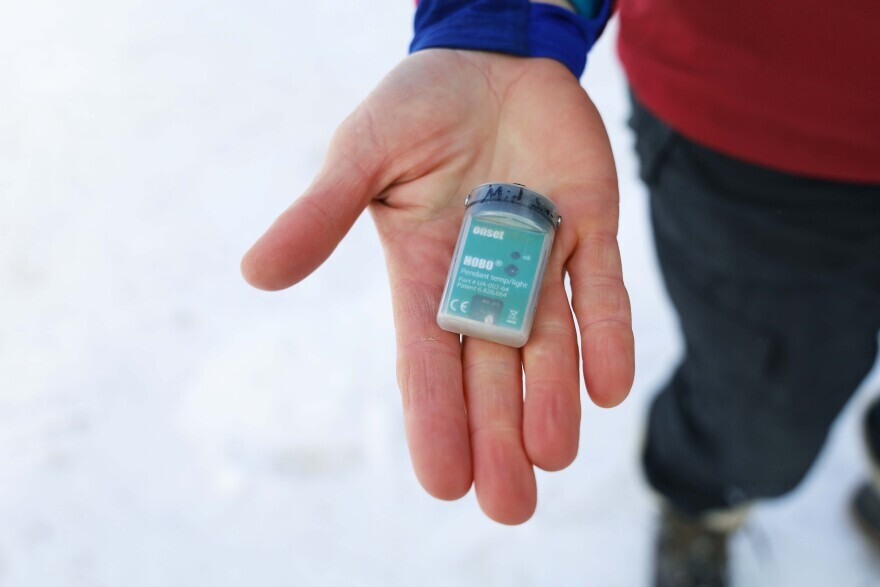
{"x": 515, "y": 27}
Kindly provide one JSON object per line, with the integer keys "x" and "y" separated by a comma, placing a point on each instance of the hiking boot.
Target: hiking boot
{"x": 692, "y": 551}
{"x": 866, "y": 510}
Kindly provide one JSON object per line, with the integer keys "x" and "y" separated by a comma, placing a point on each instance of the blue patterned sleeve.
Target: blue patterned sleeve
{"x": 515, "y": 27}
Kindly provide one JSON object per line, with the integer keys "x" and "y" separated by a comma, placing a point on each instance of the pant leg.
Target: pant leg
{"x": 776, "y": 281}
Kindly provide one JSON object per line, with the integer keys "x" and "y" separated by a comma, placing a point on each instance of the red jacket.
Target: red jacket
{"x": 788, "y": 84}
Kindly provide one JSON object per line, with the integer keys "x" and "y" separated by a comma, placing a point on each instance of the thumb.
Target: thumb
{"x": 307, "y": 232}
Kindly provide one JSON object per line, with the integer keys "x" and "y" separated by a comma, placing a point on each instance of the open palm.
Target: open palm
{"x": 439, "y": 124}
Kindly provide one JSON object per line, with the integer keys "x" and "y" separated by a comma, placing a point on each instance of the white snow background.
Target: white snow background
{"x": 163, "y": 424}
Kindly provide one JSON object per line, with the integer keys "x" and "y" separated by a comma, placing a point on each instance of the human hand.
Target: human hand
{"x": 442, "y": 122}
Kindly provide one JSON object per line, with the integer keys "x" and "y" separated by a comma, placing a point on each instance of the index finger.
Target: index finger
{"x": 429, "y": 374}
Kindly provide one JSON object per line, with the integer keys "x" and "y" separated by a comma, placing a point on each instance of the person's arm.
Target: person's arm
{"x": 443, "y": 121}
{"x": 516, "y": 27}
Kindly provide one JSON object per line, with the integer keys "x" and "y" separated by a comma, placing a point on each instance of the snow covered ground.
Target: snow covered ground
{"x": 162, "y": 424}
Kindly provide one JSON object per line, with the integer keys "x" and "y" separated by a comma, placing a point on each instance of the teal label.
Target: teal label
{"x": 495, "y": 274}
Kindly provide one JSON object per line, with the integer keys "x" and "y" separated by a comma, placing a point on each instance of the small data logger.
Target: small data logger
{"x": 499, "y": 262}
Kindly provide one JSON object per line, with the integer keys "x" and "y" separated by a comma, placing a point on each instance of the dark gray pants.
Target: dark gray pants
{"x": 776, "y": 281}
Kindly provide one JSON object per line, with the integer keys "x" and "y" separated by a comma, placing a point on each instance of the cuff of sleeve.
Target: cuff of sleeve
{"x": 515, "y": 27}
